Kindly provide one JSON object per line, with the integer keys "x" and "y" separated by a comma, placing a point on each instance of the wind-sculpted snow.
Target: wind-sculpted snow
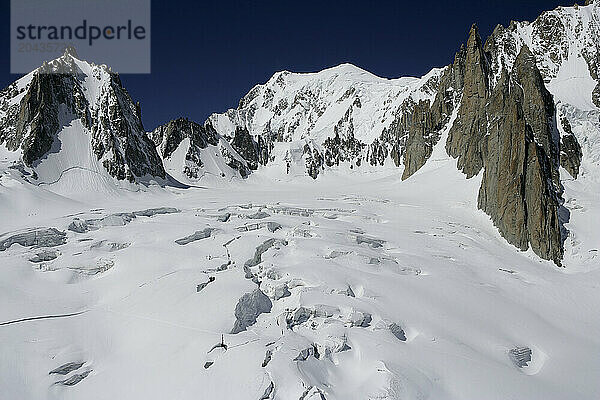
{"x": 198, "y": 235}
{"x": 74, "y": 379}
{"x": 118, "y": 219}
{"x": 369, "y": 304}
{"x": 67, "y": 368}
{"x": 37, "y": 237}
{"x": 46, "y": 255}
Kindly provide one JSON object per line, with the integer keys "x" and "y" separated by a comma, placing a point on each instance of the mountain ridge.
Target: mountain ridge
{"x": 344, "y": 117}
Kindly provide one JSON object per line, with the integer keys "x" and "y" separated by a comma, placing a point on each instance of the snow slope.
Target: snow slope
{"x": 377, "y": 288}
{"x": 361, "y": 255}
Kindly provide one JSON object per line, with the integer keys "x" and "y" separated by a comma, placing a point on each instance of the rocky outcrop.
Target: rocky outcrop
{"x": 169, "y": 137}
{"x": 38, "y": 119}
{"x": 345, "y": 148}
{"x": 570, "y": 150}
{"x": 246, "y": 147}
{"x": 464, "y": 138}
{"x": 313, "y": 160}
{"x": 118, "y": 136}
{"x": 509, "y": 131}
{"x": 425, "y": 122}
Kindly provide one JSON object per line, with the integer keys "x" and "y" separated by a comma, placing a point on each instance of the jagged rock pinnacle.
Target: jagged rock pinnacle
{"x": 70, "y": 51}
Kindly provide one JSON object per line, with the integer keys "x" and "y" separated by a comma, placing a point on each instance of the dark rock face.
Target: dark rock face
{"x": 168, "y": 137}
{"x": 425, "y": 123}
{"x": 398, "y": 332}
{"x": 39, "y": 114}
{"x": 520, "y": 189}
{"x": 119, "y": 138}
{"x": 344, "y": 148}
{"x": 469, "y": 128}
{"x": 596, "y": 96}
{"x": 313, "y": 161}
{"x": 246, "y": 147}
{"x": 570, "y": 150}
{"x": 510, "y": 132}
{"x": 67, "y": 368}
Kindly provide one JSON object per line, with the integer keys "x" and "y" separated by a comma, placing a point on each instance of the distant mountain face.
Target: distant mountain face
{"x": 512, "y": 109}
{"x": 68, "y": 93}
{"x": 345, "y": 114}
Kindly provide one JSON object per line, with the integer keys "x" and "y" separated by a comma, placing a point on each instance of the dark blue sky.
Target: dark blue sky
{"x": 207, "y": 55}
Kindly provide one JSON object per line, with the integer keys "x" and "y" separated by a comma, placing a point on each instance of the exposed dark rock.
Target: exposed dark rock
{"x": 343, "y": 148}
{"x": 38, "y": 237}
{"x": 306, "y": 353}
{"x": 570, "y": 150}
{"x": 596, "y": 95}
{"x": 168, "y": 138}
{"x": 350, "y": 292}
{"x": 362, "y": 319}
{"x": 268, "y": 357}
{"x": 203, "y": 285}
{"x": 520, "y": 187}
{"x": 470, "y": 127}
{"x": 510, "y": 132}
{"x": 313, "y": 161}
{"x": 234, "y": 161}
{"x": 425, "y": 123}
{"x": 269, "y": 392}
{"x": 118, "y": 136}
{"x": 298, "y": 317}
{"x": 281, "y": 291}
{"x": 249, "y": 307}
{"x": 246, "y": 147}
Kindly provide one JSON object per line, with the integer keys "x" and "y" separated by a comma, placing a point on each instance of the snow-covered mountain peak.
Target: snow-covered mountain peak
{"x": 566, "y": 44}
{"x": 72, "y": 117}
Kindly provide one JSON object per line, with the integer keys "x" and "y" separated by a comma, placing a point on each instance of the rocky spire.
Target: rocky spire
{"x": 520, "y": 188}
{"x": 469, "y": 128}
